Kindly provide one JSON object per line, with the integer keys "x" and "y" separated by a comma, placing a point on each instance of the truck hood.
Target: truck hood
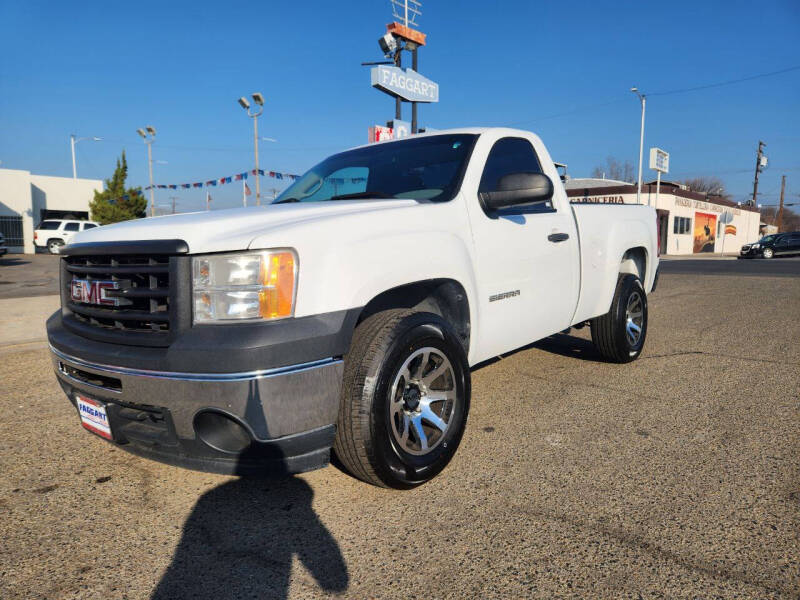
{"x": 233, "y": 229}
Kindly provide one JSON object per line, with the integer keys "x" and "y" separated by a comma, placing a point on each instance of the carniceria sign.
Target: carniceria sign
{"x": 405, "y": 83}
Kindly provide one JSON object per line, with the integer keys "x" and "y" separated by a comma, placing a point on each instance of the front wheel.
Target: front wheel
{"x": 405, "y": 399}
{"x": 620, "y": 333}
{"x": 768, "y": 253}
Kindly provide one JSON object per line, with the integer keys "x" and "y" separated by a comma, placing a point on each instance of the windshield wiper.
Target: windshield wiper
{"x": 361, "y": 195}
{"x": 287, "y": 200}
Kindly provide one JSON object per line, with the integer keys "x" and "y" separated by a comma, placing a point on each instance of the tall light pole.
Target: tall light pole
{"x": 74, "y": 140}
{"x": 149, "y": 135}
{"x": 245, "y": 104}
{"x": 643, "y": 100}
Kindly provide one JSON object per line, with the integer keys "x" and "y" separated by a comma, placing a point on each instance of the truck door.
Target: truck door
{"x": 527, "y": 256}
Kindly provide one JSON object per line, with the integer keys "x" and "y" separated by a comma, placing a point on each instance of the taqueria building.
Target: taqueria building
{"x": 688, "y": 222}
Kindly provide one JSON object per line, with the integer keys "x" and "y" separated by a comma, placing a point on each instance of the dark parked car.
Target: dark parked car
{"x": 777, "y": 244}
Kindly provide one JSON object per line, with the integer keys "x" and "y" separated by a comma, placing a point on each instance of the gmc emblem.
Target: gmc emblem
{"x": 93, "y": 292}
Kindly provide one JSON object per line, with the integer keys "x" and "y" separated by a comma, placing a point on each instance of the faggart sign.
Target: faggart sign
{"x": 406, "y": 84}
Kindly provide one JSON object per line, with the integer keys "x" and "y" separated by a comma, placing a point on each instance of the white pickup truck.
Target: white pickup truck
{"x": 348, "y": 313}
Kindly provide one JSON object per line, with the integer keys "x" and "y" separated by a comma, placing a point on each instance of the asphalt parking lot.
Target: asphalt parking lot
{"x": 28, "y": 275}
{"x": 677, "y": 476}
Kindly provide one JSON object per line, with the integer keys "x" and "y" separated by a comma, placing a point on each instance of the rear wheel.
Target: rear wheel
{"x": 619, "y": 335}
{"x": 405, "y": 399}
{"x": 55, "y": 246}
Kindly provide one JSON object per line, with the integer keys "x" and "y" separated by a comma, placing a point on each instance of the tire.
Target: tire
{"x": 54, "y": 246}
{"x": 768, "y": 253}
{"x": 387, "y": 398}
{"x": 610, "y": 332}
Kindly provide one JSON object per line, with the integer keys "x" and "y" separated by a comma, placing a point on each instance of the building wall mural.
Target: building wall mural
{"x": 705, "y": 231}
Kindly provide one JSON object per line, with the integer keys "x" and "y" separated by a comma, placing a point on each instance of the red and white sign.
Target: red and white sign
{"x": 93, "y": 416}
{"x": 379, "y": 133}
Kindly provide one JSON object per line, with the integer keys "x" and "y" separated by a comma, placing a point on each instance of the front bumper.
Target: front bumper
{"x": 275, "y": 420}
{"x": 749, "y": 252}
{"x": 3, "y": 250}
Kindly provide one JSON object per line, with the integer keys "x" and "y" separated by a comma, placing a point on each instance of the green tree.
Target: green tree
{"x": 117, "y": 203}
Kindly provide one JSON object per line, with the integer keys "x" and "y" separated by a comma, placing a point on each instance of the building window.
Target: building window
{"x": 682, "y": 225}
{"x": 11, "y": 228}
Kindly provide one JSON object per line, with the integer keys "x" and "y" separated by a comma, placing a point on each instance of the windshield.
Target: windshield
{"x": 767, "y": 238}
{"x": 425, "y": 168}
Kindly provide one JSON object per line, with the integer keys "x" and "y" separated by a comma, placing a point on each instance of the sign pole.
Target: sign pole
{"x": 658, "y": 188}
{"x": 398, "y": 102}
{"x": 414, "y": 104}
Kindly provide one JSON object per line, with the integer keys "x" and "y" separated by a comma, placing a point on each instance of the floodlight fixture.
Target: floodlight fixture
{"x": 388, "y": 44}
{"x": 258, "y": 98}
{"x": 151, "y": 130}
{"x": 141, "y": 132}
{"x": 244, "y": 103}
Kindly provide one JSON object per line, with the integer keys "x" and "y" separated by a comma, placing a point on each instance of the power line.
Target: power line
{"x": 721, "y": 83}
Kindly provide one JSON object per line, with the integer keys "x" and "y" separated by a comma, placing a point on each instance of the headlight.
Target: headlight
{"x": 756, "y": 246}
{"x": 244, "y": 286}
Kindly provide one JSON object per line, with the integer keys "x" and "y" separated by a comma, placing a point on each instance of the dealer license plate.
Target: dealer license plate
{"x": 94, "y": 416}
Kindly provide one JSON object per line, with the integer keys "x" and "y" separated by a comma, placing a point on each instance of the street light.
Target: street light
{"x": 149, "y": 136}
{"x": 74, "y": 140}
{"x": 643, "y": 100}
{"x": 245, "y": 104}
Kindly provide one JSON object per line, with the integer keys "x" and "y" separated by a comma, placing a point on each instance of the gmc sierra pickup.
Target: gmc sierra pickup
{"x": 347, "y": 313}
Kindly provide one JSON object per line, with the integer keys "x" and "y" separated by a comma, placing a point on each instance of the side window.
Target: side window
{"x": 682, "y": 225}
{"x": 51, "y": 225}
{"x": 507, "y": 156}
{"x": 88, "y": 226}
{"x": 72, "y": 226}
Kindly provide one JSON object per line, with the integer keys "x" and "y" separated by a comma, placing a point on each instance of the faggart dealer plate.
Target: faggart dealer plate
{"x": 93, "y": 416}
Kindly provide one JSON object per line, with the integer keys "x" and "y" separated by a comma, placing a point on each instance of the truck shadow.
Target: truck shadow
{"x": 240, "y": 539}
{"x": 562, "y": 344}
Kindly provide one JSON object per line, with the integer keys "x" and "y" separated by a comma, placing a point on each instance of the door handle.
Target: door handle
{"x": 558, "y": 237}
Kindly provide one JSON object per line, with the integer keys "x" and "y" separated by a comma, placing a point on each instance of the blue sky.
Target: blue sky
{"x": 562, "y": 70}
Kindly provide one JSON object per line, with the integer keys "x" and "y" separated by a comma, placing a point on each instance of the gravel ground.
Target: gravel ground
{"x": 672, "y": 477}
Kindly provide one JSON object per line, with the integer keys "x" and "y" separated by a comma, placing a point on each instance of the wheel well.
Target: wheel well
{"x": 444, "y": 297}
{"x": 634, "y": 261}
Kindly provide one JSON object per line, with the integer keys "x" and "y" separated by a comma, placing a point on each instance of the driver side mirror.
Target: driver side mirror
{"x": 516, "y": 189}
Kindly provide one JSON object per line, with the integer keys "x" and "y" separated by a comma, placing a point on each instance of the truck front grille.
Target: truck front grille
{"x": 135, "y": 294}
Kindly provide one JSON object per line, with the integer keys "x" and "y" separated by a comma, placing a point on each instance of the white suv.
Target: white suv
{"x": 54, "y": 234}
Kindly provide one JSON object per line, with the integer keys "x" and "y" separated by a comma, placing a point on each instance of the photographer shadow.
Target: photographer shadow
{"x": 240, "y": 539}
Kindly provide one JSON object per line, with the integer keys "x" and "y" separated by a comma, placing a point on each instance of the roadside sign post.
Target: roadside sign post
{"x": 659, "y": 162}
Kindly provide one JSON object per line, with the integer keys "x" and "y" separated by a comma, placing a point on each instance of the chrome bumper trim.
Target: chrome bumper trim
{"x": 213, "y": 377}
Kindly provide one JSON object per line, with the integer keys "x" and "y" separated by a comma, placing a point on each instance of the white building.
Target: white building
{"x": 27, "y": 199}
{"x": 688, "y": 222}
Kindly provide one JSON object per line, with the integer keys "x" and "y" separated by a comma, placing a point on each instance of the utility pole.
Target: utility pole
{"x": 643, "y": 101}
{"x": 173, "y": 198}
{"x": 760, "y": 158}
{"x": 148, "y": 135}
{"x": 779, "y": 221}
{"x": 258, "y": 98}
{"x": 74, "y": 140}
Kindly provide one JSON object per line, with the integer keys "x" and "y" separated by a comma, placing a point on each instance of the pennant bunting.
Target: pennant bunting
{"x": 231, "y": 178}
